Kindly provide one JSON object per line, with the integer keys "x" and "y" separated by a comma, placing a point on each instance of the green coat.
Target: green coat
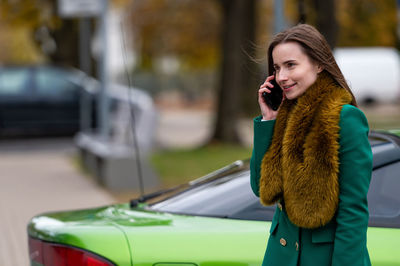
{"x": 343, "y": 241}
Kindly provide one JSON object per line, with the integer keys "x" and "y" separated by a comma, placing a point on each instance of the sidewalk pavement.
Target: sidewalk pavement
{"x": 39, "y": 176}
{"x": 34, "y": 180}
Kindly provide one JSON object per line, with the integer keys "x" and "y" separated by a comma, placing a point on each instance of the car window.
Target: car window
{"x": 384, "y": 196}
{"x": 54, "y": 83}
{"x": 230, "y": 196}
{"x": 13, "y": 81}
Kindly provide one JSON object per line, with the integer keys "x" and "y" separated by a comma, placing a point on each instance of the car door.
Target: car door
{"x": 384, "y": 207}
{"x": 57, "y": 100}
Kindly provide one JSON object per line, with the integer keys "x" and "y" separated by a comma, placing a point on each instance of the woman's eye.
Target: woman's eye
{"x": 290, "y": 65}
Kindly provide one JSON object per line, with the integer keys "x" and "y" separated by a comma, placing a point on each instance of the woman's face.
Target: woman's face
{"x": 295, "y": 72}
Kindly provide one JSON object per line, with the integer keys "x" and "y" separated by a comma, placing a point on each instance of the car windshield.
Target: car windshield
{"x": 13, "y": 81}
{"x": 223, "y": 197}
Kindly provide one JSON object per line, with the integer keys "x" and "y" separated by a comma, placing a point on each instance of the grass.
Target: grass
{"x": 389, "y": 123}
{"x": 386, "y": 116}
{"x": 178, "y": 166}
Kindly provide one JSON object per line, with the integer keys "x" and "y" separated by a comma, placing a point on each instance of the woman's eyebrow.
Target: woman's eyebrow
{"x": 289, "y": 61}
{"x": 286, "y": 62}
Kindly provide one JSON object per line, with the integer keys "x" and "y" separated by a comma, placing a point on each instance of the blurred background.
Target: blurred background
{"x": 104, "y": 100}
{"x": 166, "y": 89}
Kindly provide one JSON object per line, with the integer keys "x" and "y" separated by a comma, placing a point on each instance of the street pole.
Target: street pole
{"x": 84, "y": 9}
{"x": 103, "y": 102}
{"x": 85, "y": 66}
{"x": 279, "y": 16}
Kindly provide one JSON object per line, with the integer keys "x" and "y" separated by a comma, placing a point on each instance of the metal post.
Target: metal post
{"x": 85, "y": 66}
{"x": 103, "y": 102}
{"x": 398, "y": 19}
{"x": 279, "y": 16}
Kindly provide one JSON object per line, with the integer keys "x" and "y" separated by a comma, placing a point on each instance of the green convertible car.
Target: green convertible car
{"x": 214, "y": 220}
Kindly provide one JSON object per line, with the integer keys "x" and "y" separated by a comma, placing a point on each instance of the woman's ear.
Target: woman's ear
{"x": 319, "y": 69}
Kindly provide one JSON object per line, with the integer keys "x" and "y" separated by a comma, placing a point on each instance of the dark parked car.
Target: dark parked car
{"x": 40, "y": 100}
{"x": 214, "y": 220}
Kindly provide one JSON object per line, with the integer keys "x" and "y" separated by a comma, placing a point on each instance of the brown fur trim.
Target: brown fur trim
{"x": 302, "y": 164}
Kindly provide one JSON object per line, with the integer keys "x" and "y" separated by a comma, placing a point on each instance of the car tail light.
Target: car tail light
{"x": 47, "y": 253}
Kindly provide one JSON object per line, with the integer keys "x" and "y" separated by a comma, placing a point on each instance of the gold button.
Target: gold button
{"x": 297, "y": 246}
{"x": 279, "y": 205}
{"x": 282, "y": 241}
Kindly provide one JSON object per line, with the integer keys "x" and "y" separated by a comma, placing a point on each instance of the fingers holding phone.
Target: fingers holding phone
{"x": 270, "y": 97}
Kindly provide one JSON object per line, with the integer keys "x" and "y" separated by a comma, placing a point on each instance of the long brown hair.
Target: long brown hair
{"x": 315, "y": 47}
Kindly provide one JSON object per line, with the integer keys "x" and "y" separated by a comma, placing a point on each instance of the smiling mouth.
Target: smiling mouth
{"x": 288, "y": 87}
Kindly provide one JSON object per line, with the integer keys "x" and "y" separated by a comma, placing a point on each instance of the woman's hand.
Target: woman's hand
{"x": 266, "y": 111}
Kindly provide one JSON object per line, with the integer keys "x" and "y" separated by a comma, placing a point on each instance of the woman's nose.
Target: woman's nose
{"x": 280, "y": 76}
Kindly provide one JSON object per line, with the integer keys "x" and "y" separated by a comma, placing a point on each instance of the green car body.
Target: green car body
{"x": 140, "y": 237}
{"x": 143, "y": 235}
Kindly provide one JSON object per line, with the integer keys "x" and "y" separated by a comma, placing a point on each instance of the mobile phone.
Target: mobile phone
{"x": 274, "y": 98}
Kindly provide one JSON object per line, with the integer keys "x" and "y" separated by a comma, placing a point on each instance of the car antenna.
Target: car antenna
{"x": 132, "y": 113}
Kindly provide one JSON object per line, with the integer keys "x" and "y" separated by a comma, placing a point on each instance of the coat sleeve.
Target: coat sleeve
{"x": 355, "y": 155}
{"x": 263, "y": 131}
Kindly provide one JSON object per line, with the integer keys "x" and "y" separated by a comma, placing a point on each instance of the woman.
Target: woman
{"x": 312, "y": 157}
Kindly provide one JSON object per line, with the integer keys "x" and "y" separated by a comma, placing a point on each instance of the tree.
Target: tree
{"x": 218, "y": 34}
{"x": 187, "y": 30}
{"x": 236, "y": 71}
{"x": 31, "y": 32}
{"x": 321, "y": 14}
{"x": 354, "y": 23}
{"x": 18, "y": 20}
{"x": 367, "y": 23}
{"x": 326, "y": 20}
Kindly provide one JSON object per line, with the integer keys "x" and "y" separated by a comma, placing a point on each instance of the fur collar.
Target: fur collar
{"x": 301, "y": 166}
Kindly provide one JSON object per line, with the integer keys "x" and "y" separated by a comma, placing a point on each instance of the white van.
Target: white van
{"x": 373, "y": 74}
